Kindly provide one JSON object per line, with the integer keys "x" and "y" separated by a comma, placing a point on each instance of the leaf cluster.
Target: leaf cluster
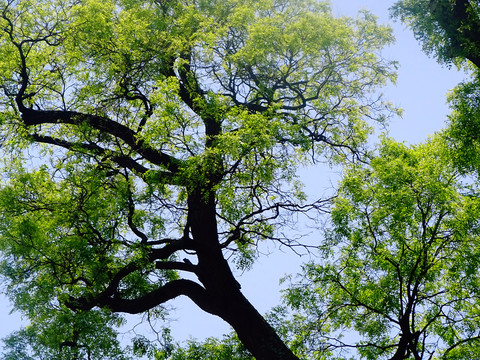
{"x": 398, "y": 264}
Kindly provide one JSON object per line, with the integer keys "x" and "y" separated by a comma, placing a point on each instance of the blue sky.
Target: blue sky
{"x": 420, "y": 90}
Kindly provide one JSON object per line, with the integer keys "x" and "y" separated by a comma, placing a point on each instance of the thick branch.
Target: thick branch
{"x": 155, "y": 298}
{"x": 175, "y": 265}
{"x": 105, "y": 125}
{"x": 87, "y": 303}
{"x": 168, "y": 250}
{"x": 122, "y": 160}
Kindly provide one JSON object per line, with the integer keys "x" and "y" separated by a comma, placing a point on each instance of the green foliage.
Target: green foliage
{"x": 62, "y": 238}
{"x": 463, "y": 125}
{"x": 147, "y": 113}
{"x": 448, "y": 29}
{"x": 399, "y": 265}
{"x": 62, "y": 335}
{"x": 228, "y": 348}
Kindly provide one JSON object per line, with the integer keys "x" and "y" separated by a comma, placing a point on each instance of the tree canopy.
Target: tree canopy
{"x": 149, "y": 145}
{"x": 398, "y": 277}
{"x": 399, "y": 266}
{"x": 450, "y": 30}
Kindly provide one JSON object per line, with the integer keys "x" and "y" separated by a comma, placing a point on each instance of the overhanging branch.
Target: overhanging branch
{"x": 149, "y": 301}
{"x": 33, "y": 117}
{"x": 94, "y": 149}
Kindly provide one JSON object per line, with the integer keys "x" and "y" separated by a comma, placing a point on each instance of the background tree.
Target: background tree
{"x": 163, "y": 139}
{"x": 450, "y": 30}
{"x": 400, "y": 277}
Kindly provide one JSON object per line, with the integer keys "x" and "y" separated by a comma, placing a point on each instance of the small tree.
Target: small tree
{"x": 168, "y": 135}
{"x": 400, "y": 277}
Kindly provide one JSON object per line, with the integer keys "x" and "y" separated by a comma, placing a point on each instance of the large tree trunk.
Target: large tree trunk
{"x": 228, "y": 302}
{"x": 232, "y": 306}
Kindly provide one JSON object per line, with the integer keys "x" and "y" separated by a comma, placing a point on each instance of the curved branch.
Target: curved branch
{"x": 155, "y": 298}
{"x": 174, "y": 246}
{"x": 88, "y": 302}
{"x": 37, "y": 117}
{"x": 122, "y": 160}
{"x": 136, "y": 94}
{"x": 175, "y": 265}
{"x": 461, "y": 342}
{"x": 131, "y": 214}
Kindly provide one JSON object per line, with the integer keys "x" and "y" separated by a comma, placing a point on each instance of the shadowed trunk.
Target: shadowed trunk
{"x": 227, "y": 301}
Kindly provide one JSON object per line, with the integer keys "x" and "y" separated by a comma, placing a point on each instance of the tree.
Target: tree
{"x": 399, "y": 276}
{"x": 450, "y": 30}
{"x": 162, "y": 139}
